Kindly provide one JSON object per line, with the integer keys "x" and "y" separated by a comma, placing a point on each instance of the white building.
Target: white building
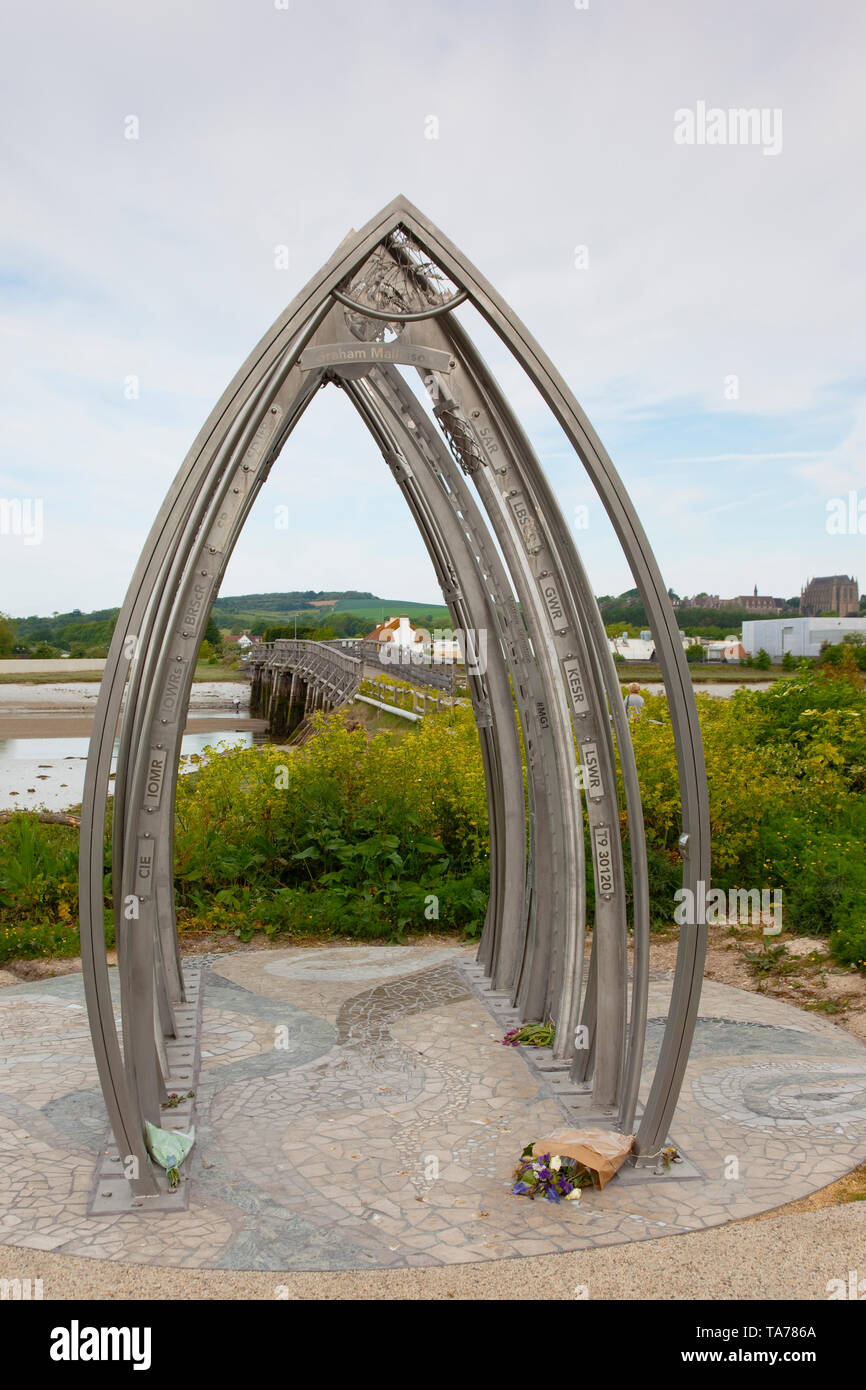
{"x": 729, "y": 649}
{"x": 632, "y": 648}
{"x": 799, "y": 636}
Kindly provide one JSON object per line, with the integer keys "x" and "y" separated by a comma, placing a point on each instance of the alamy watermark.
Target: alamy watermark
{"x": 846, "y": 516}
{"x": 852, "y": 1287}
{"x": 718, "y": 908}
{"x": 21, "y": 1289}
{"x": 24, "y": 517}
{"x": 467, "y": 646}
{"x": 713, "y": 125}
{"x": 77, "y": 1343}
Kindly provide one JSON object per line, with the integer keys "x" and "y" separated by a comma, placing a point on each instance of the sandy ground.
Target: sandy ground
{"x": 79, "y": 697}
{"x": 785, "y": 1257}
{"x": 14, "y": 666}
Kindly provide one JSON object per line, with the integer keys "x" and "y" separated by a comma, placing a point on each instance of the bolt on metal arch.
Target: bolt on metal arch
{"x": 506, "y": 562}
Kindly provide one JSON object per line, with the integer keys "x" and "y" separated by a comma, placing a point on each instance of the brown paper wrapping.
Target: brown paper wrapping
{"x": 602, "y": 1151}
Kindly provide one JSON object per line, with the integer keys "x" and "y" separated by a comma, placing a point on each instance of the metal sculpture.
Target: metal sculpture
{"x": 547, "y": 696}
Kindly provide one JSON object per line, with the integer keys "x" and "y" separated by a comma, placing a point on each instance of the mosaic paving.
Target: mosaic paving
{"x": 356, "y": 1109}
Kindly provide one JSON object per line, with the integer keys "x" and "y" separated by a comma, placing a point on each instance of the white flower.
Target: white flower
{"x": 556, "y": 1163}
{"x": 573, "y": 1195}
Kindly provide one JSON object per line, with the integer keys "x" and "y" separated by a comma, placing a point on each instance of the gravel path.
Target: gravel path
{"x": 784, "y": 1257}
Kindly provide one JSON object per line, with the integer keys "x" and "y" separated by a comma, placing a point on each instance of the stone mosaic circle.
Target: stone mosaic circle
{"x": 356, "y": 1108}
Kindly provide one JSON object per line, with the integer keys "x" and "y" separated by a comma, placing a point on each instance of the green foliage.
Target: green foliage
{"x": 849, "y": 654}
{"x": 370, "y": 837}
{"x": 376, "y": 837}
{"x": 695, "y": 652}
{"x": 786, "y": 770}
{"x": 293, "y": 601}
{"x": 531, "y": 1035}
{"x": 762, "y": 661}
{"x": 8, "y": 629}
{"x": 848, "y": 944}
{"x": 38, "y": 888}
{"x": 305, "y": 632}
{"x": 771, "y": 960}
{"x": 68, "y": 631}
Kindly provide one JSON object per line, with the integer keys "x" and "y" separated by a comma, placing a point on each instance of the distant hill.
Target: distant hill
{"x": 343, "y": 612}
{"x": 295, "y": 601}
{"x": 322, "y": 608}
{"x": 81, "y": 634}
{"x": 422, "y": 614}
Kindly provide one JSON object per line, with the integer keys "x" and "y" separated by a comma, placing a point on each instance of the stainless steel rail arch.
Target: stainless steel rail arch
{"x": 507, "y": 564}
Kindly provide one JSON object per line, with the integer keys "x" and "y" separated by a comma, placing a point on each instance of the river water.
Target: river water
{"x": 48, "y": 773}
{"x": 722, "y": 690}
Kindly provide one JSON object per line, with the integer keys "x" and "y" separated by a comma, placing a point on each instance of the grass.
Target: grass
{"x": 704, "y": 672}
{"x": 204, "y": 672}
{"x": 46, "y": 677}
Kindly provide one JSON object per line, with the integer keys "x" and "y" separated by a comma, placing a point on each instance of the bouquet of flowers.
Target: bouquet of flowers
{"x": 531, "y": 1035}
{"x": 550, "y": 1175}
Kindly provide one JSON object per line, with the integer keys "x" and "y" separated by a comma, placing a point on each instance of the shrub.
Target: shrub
{"x": 345, "y": 834}
{"x": 375, "y": 837}
{"x": 848, "y": 945}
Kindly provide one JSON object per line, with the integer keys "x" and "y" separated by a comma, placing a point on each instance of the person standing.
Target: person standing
{"x": 634, "y": 701}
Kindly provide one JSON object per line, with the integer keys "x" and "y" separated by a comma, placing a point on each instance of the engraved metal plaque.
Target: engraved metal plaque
{"x": 602, "y": 854}
{"x": 155, "y": 778}
{"x": 171, "y": 691}
{"x": 197, "y": 603}
{"x": 372, "y": 354}
{"x": 261, "y": 438}
{"x": 550, "y": 594}
{"x": 576, "y": 689}
{"x": 525, "y": 518}
{"x": 144, "y": 867}
{"x": 591, "y": 770}
{"x": 485, "y": 435}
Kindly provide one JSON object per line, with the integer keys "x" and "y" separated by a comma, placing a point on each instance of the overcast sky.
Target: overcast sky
{"x": 713, "y": 328}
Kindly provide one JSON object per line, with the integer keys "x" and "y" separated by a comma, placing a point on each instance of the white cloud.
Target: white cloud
{"x": 262, "y": 127}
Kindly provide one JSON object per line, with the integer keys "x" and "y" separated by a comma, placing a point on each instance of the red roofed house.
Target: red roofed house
{"x": 398, "y": 631}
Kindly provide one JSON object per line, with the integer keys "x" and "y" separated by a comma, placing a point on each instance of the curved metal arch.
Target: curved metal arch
{"x": 489, "y": 690}
{"x": 389, "y": 316}
{"x": 533, "y": 698}
{"x": 538, "y": 950}
{"x": 684, "y": 718}
{"x": 503, "y": 944}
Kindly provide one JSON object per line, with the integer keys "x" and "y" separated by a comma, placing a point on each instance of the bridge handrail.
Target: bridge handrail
{"x": 291, "y": 651}
{"x": 351, "y": 655}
